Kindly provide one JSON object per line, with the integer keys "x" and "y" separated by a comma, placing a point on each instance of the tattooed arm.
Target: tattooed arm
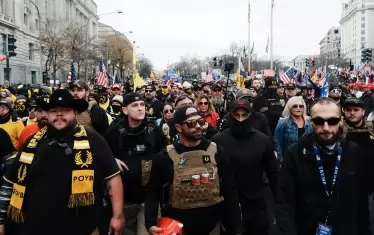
{"x": 115, "y": 191}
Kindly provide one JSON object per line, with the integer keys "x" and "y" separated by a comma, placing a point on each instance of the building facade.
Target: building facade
{"x": 330, "y": 44}
{"x": 24, "y": 19}
{"x": 357, "y": 29}
{"x": 299, "y": 62}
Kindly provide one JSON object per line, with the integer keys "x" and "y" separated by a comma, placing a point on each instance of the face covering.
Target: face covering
{"x": 116, "y": 108}
{"x": 5, "y": 118}
{"x": 164, "y": 91}
{"x": 238, "y": 128}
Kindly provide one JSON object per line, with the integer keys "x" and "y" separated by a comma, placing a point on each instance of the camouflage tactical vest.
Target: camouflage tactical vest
{"x": 184, "y": 192}
{"x": 368, "y": 128}
{"x": 84, "y": 119}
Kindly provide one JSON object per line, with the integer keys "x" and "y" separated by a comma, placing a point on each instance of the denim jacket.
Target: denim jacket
{"x": 286, "y": 133}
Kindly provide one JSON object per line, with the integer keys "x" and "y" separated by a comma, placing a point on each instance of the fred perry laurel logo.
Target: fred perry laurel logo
{"x": 60, "y": 98}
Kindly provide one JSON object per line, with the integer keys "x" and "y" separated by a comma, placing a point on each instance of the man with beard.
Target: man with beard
{"x": 94, "y": 117}
{"x": 322, "y": 180}
{"x": 41, "y": 121}
{"x": 217, "y": 99}
{"x": 13, "y": 128}
{"x": 134, "y": 145}
{"x": 251, "y": 154}
{"x": 335, "y": 93}
{"x": 153, "y": 106}
{"x": 55, "y": 182}
{"x": 189, "y": 181}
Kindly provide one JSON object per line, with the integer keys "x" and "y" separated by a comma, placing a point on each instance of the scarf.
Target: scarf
{"x": 82, "y": 176}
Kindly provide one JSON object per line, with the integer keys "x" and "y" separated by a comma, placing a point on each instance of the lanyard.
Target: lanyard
{"x": 322, "y": 172}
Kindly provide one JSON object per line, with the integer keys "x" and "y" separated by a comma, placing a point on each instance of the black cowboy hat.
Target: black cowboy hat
{"x": 63, "y": 98}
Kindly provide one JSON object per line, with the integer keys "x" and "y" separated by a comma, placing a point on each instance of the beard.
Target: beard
{"x": 194, "y": 136}
{"x": 217, "y": 101}
{"x": 321, "y": 139}
{"x": 64, "y": 132}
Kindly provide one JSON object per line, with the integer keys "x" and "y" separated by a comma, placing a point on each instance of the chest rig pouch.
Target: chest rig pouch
{"x": 196, "y": 182}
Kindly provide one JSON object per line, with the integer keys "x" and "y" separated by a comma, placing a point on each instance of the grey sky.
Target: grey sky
{"x": 165, "y": 30}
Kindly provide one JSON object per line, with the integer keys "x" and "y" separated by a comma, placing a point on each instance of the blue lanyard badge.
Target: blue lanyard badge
{"x": 322, "y": 172}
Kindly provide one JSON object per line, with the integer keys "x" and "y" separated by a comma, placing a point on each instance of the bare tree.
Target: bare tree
{"x": 54, "y": 44}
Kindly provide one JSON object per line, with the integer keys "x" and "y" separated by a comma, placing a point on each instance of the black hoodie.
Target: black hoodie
{"x": 302, "y": 202}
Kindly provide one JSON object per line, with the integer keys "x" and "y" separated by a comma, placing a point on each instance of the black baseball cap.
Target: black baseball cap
{"x": 79, "y": 84}
{"x": 240, "y": 103}
{"x": 131, "y": 98}
{"x": 180, "y": 114}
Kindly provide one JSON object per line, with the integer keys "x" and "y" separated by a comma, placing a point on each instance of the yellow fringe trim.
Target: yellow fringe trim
{"x": 15, "y": 214}
{"x": 81, "y": 199}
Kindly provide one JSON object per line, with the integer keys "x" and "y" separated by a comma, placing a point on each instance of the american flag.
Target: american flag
{"x": 72, "y": 75}
{"x": 284, "y": 77}
{"x": 101, "y": 75}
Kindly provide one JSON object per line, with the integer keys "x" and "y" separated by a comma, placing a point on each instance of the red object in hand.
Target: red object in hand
{"x": 170, "y": 226}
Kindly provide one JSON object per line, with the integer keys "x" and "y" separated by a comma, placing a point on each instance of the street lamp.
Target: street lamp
{"x": 110, "y": 13}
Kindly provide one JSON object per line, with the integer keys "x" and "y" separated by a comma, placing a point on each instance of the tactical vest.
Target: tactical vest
{"x": 84, "y": 119}
{"x": 196, "y": 182}
{"x": 368, "y": 128}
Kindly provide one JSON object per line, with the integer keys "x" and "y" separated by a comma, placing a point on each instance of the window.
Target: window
{"x": 362, "y": 39}
{"x": 33, "y": 77}
{"x": 37, "y": 24}
{"x": 363, "y": 31}
{"x": 363, "y": 18}
{"x": 25, "y": 18}
{"x": 363, "y": 25}
{"x": 31, "y": 51}
{"x": 336, "y": 31}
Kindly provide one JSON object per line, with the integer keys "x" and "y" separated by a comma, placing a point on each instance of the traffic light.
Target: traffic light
{"x": 363, "y": 55}
{"x": 313, "y": 62}
{"x": 214, "y": 62}
{"x": 220, "y": 63}
{"x": 12, "y": 45}
{"x": 307, "y": 62}
{"x": 369, "y": 55}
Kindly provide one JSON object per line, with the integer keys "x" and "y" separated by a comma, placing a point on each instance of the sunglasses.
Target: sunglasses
{"x": 337, "y": 91}
{"x": 300, "y": 106}
{"x": 203, "y": 103}
{"x": 169, "y": 111}
{"x": 148, "y": 91}
{"x": 330, "y": 121}
{"x": 193, "y": 123}
{"x": 217, "y": 90}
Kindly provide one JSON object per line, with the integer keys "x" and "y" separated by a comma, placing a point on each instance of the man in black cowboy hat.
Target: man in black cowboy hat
{"x": 55, "y": 182}
{"x": 94, "y": 116}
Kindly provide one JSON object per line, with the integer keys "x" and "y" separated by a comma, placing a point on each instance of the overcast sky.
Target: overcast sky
{"x": 165, "y": 30}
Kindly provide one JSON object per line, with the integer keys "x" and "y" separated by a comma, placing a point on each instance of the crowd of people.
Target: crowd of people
{"x": 270, "y": 158}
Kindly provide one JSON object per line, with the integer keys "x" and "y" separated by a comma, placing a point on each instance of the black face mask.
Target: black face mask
{"x": 238, "y": 128}
{"x": 116, "y": 108}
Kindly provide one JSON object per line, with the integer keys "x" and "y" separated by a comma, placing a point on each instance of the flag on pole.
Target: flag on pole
{"x": 253, "y": 47}
{"x": 101, "y": 75}
{"x": 267, "y": 46}
{"x": 73, "y": 75}
{"x": 249, "y": 11}
{"x": 284, "y": 77}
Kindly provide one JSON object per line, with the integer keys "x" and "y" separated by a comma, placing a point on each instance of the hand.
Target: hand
{"x": 117, "y": 225}
{"x": 154, "y": 230}
{"x": 24, "y": 119}
{"x": 121, "y": 165}
{"x": 2, "y": 229}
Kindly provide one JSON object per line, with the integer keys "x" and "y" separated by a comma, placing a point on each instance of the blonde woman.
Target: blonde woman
{"x": 207, "y": 110}
{"x": 292, "y": 126}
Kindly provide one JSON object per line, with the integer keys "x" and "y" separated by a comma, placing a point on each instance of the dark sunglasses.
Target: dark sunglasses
{"x": 300, "y": 106}
{"x": 217, "y": 90}
{"x": 203, "y": 103}
{"x": 330, "y": 121}
{"x": 193, "y": 123}
{"x": 169, "y": 111}
{"x": 148, "y": 91}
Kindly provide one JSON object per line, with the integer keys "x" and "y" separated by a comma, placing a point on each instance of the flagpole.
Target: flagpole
{"x": 249, "y": 37}
{"x": 271, "y": 34}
